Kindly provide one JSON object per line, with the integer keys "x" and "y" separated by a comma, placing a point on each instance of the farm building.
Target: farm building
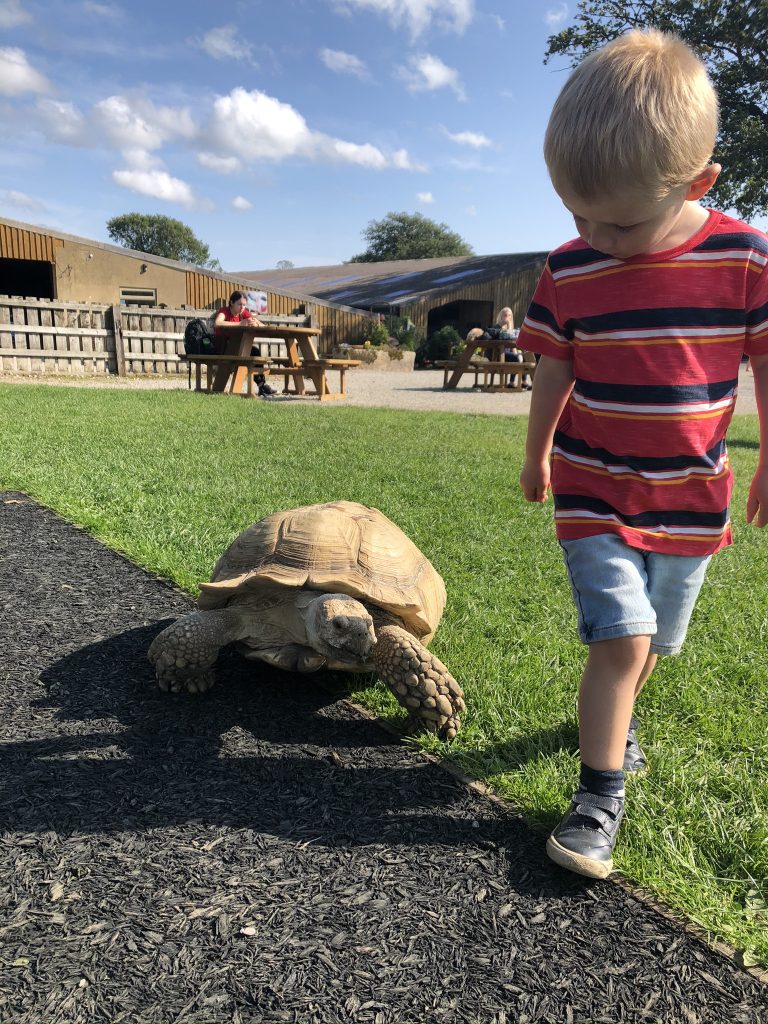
{"x": 463, "y": 292}
{"x": 460, "y": 291}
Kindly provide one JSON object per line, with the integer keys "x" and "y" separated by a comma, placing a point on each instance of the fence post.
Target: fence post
{"x": 119, "y": 349}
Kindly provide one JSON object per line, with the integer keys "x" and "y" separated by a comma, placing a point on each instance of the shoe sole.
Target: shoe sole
{"x": 575, "y": 862}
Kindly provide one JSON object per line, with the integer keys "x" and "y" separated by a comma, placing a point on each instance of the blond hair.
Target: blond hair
{"x": 641, "y": 113}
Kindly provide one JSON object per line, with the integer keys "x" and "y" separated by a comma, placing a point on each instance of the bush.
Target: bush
{"x": 443, "y": 344}
{"x": 405, "y": 332}
{"x": 375, "y": 332}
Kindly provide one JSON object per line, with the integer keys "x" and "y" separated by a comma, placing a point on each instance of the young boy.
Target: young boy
{"x": 641, "y": 323}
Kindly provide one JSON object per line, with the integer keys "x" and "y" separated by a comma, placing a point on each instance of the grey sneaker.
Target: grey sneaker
{"x": 635, "y": 761}
{"x": 584, "y": 840}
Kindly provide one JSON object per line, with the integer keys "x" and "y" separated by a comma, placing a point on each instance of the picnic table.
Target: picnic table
{"x": 235, "y": 366}
{"x": 510, "y": 374}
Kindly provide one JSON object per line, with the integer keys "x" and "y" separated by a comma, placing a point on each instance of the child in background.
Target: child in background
{"x": 641, "y": 324}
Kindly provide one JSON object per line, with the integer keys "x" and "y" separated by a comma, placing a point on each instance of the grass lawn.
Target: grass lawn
{"x": 170, "y": 478}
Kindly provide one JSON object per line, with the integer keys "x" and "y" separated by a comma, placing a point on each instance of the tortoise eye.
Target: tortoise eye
{"x": 338, "y": 624}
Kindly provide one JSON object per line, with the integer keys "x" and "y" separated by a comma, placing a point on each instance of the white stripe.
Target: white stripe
{"x": 660, "y": 332}
{"x": 691, "y": 530}
{"x": 536, "y": 325}
{"x": 757, "y": 328}
{"x": 643, "y": 410}
{"x": 656, "y": 474}
{"x": 724, "y": 254}
{"x": 587, "y": 269}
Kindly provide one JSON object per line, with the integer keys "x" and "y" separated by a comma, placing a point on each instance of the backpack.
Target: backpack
{"x": 198, "y": 340}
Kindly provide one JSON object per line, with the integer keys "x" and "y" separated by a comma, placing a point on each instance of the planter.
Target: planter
{"x": 372, "y": 359}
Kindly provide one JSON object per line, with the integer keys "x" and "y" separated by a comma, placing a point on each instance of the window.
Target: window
{"x": 138, "y": 296}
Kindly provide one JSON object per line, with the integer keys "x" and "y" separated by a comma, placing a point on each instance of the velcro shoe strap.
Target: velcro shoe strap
{"x": 593, "y": 805}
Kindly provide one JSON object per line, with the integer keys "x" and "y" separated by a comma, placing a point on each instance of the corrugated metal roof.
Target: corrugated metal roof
{"x": 365, "y": 285}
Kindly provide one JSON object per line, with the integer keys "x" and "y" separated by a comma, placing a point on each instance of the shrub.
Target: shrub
{"x": 443, "y": 344}
{"x": 375, "y": 332}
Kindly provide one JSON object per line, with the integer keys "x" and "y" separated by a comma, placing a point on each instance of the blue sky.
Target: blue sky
{"x": 277, "y": 131}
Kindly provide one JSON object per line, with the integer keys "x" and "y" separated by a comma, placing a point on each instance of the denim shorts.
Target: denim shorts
{"x": 623, "y": 591}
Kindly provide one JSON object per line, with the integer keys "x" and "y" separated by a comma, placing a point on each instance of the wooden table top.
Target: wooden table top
{"x": 267, "y": 330}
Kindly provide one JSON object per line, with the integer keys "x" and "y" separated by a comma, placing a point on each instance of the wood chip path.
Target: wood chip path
{"x": 266, "y": 854}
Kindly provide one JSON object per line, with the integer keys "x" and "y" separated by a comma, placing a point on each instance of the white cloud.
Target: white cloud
{"x": 21, "y": 200}
{"x": 158, "y": 184}
{"x": 344, "y": 63}
{"x": 12, "y": 14}
{"x": 63, "y": 122}
{"x": 427, "y": 73}
{"x": 425, "y": 197}
{"x": 142, "y": 160}
{"x": 138, "y": 124}
{"x": 474, "y": 139}
{"x": 258, "y": 127}
{"x": 226, "y": 43}
{"x": 556, "y": 15}
{"x": 471, "y": 210}
{"x": 241, "y": 203}
{"x": 403, "y": 162}
{"x": 101, "y": 10}
{"x": 221, "y": 164}
{"x": 417, "y": 15}
{"x": 17, "y": 75}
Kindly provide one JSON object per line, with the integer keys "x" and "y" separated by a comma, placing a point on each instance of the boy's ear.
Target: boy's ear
{"x": 704, "y": 182}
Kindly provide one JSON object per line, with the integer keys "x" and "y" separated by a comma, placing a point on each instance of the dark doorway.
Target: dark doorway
{"x": 32, "y": 279}
{"x": 462, "y": 315}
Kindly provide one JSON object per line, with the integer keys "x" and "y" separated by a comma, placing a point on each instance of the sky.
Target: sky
{"x": 279, "y": 130}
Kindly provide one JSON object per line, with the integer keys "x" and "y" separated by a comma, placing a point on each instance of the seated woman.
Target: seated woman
{"x": 234, "y": 313}
{"x": 502, "y": 330}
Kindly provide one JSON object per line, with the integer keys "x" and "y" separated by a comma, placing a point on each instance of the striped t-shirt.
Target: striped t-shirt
{"x": 656, "y": 343}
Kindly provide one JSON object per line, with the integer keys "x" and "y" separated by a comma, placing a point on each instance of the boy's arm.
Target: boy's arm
{"x": 757, "y": 502}
{"x": 552, "y": 385}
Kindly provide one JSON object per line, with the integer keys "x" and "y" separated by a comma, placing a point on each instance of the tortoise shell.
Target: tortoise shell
{"x": 340, "y": 547}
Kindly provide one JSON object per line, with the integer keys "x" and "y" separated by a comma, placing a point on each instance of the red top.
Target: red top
{"x": 230, "y": 317}
{"x": 656, "y": 343}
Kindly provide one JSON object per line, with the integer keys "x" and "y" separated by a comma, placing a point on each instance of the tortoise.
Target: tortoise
{"x": 336, "y": 586}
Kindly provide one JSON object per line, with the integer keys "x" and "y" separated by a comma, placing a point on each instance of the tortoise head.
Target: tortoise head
{"x": 339, "y": 627}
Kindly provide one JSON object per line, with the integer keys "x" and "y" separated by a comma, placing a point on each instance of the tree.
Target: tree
{"x": 731, "y": 36}
{"x": 285, "y": 265}
{"x": 409, "y": 236}
{"x": 161, "y": 236}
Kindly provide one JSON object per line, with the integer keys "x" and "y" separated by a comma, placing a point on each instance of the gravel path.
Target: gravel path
{"x": 418, "y": 389}
{"x": 264, "y": 853}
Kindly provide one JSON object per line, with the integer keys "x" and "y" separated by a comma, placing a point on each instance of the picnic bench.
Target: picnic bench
{"x": 250, "y": 364}
{"x": 510, "y": 374}
{"x": 301, "y": 360}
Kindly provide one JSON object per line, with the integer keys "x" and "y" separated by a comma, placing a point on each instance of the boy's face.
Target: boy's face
{"x": 627, "y": 225}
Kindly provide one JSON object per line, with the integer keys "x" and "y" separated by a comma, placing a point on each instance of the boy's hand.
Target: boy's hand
{"x": 534, "y": 480}
{"x": 757, "y": 502}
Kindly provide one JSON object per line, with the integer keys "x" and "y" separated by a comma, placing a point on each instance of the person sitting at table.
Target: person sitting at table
{"x": 235, "y": 313}
{"x": 503, "y": 330}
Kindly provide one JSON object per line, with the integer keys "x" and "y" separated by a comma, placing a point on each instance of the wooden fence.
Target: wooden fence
{"x": 42, "y": 336}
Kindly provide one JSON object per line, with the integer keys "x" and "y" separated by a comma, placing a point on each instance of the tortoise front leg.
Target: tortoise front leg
{"x": 185, "y": 652}
{"x": 420, "y": 681}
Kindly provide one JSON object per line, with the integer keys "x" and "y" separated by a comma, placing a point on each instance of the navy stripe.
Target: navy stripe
{"x": 645, "y": 520}
{"x": 575, "y": 258}
{"x": 665, "y": 316}
{"x": 654, "y": 394}
{"x": 735, "y": 240}
{"x": 538, "y": 312}
{"x": 756, "y": 316}
{"x": 641, "y": 464}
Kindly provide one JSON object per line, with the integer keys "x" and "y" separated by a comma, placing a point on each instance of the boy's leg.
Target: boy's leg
{"x": 612, "y": 674}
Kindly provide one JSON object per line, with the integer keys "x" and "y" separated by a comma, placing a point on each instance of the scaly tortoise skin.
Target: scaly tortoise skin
{"x": 334, "y": 586}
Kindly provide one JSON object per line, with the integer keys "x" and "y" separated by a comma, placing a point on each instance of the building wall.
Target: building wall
{"x": 514, "y": 290}
{"x": 91, "y": 274}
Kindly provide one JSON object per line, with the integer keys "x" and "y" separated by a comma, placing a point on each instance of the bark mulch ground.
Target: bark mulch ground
{"x": 265, "y": 853}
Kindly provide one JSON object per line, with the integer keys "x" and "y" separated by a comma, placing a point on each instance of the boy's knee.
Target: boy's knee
{"x": 623, "y": 652}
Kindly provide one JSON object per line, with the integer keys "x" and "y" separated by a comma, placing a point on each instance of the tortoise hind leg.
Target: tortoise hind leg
{"x": 419, "y": 681}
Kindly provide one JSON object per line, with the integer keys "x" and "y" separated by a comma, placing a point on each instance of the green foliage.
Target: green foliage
{"x": 375, "y": 332}
{"x": 409, "y": 236}
{"x": 162, "y": 477}
{"x": 443, "y": 344}
{"x": 161, "y": 236}
{"x": 732, "y": 38}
